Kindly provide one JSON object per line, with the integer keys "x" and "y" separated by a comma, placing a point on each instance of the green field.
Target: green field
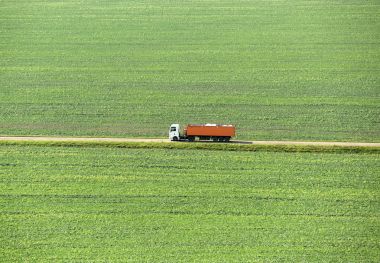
{"x": 277, "y": 69}
{"x": 96, "y": 204}
{"x": 301, "y": 70}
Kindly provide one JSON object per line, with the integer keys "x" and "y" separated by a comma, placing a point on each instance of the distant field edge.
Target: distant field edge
{"x": 164, "y": 144}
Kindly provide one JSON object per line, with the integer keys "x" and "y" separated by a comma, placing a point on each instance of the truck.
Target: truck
{"x": 214, "y": 132}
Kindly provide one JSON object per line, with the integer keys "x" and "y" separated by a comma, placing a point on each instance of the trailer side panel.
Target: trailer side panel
{"x": 210, "y": 130}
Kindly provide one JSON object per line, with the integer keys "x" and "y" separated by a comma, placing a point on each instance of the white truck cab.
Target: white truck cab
{"x": 174, "y": 132}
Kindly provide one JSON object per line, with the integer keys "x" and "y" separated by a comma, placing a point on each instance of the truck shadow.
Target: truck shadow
{"x": 237, "y": 142}
{"x": 241, "y": 142}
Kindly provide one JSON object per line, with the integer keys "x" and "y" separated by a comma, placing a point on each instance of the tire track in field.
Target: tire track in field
{"x": 93, "y": 139}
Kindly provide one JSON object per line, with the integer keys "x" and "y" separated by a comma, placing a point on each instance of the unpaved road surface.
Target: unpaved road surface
{"x": 79, "y": 139}
{"x": 88, "y": 139}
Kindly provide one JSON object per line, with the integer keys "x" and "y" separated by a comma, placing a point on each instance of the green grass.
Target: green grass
{"x": 302, "y": 70}
{"x": 168, "y": 205}
{"x": 201, "y": 146}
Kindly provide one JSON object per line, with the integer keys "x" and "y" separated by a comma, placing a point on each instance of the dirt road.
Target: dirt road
{"x": 348, "y": 144}
{"x": 79, "y": 139}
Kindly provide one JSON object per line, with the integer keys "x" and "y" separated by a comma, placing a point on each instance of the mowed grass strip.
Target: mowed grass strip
{"x": 169, "y": 205}
{"x": 200, "y": 146}
{"x": 279, "y": 70}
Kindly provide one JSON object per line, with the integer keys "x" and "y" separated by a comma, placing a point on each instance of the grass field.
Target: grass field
{"x": 208, "y": 146}
{"x": 167, "y": 205}
{"x": 299, "y": 70}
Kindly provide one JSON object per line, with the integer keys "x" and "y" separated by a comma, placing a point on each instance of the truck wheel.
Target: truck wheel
{"x": 191, "y": 139}
{"x": 221, "y": 139}
{"x": 175, "y": 138}
{"x": 227, "y": 139}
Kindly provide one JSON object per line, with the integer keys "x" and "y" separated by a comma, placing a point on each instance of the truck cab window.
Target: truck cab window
{"x": 172, "y": 129}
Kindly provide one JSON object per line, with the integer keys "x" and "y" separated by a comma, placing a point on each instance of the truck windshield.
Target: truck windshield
{"x": 172, "y": 129}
